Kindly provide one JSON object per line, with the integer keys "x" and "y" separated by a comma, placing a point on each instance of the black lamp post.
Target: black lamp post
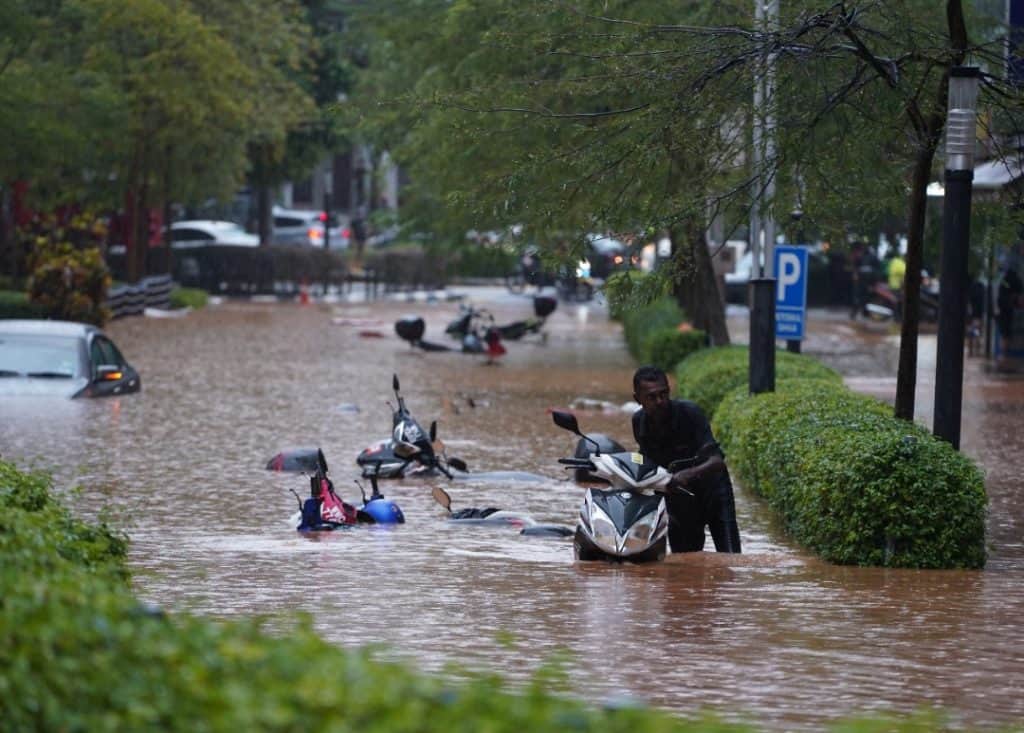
{"x": 956, "y": 238}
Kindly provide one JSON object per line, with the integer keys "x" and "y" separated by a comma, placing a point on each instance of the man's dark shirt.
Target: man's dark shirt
{"x": 708, "y": 501}
{"x": 689, "y": 432}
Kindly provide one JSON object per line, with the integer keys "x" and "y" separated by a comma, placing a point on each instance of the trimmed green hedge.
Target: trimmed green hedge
{"x": 853, "y": 483}
{"x": 653, "y": 337}
{"x": 15, "y": 304}
{"x": 707, "y": 376}
{"x": 189, "y": 298}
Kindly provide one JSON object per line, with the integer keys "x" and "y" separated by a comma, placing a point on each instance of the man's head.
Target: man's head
{"x": 651, "y": 391}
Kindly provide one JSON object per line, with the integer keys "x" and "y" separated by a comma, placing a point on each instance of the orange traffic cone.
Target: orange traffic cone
{"x": 304, "y": 293}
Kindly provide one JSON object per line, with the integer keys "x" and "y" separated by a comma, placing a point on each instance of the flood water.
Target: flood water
{"x": 773, "y": 636}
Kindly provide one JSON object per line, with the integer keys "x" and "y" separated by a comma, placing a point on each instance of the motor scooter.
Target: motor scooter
{"x": 410, "y": 450}
{"x": 475, "y": 320}
{"x": 324, "y": 511}
{"x": 476, "y": 341}
{"x": 885, "y": 304}
{"x": 627, "y": 522}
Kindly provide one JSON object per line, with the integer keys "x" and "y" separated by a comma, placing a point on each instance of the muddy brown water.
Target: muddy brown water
{"x": 773, "y": 636}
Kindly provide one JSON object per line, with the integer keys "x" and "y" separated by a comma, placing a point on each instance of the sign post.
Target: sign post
{"x": 790, "y": 293}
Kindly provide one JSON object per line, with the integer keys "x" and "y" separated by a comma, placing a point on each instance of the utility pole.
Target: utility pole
{"x": 762, "y": 223}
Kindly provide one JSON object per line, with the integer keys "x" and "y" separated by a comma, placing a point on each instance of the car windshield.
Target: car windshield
{"x": 39, "y": 356}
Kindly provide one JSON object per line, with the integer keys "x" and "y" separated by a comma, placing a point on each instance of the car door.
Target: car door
{"x": 111, "y": 373}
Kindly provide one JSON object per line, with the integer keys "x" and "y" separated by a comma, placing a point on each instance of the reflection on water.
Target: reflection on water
{"x": 760, "y": 636}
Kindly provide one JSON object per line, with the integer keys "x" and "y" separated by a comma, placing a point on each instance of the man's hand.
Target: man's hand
{"x": 680, "y": 481}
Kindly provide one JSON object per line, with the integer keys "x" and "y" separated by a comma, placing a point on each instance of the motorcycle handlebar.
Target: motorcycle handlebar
{"x": 577, "y": 462}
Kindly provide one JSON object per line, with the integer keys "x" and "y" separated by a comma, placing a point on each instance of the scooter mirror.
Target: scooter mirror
{"x": 458, "y": 464}
{"x": 441, "y": 497}
{"x": 433, "y": 430}
{"x": 405, "y": 450}
{"x": 394, "y": 382}
{"x": 566, "y": 421}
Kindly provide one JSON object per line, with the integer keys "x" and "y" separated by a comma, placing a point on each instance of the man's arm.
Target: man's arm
{"x": 713, "y": 465}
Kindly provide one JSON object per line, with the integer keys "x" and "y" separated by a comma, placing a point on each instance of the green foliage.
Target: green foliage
{"x": 709, "y": 375}
{"x": 851, "y": 482}
{"x": 17, "y": 305}
{"x": 666, "y": 347}
{"x": 640, "y": 322}
{"x": 189, "y": 298}
{"x": 481, "y": 261}
{"x": 70, "y": 284}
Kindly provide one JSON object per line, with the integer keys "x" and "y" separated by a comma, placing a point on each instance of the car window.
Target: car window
{"x": 287, "y": 221}
{"x": 104, "y": 352}
{"x": 22, "y": 355}
{"x": 188, "y": 235}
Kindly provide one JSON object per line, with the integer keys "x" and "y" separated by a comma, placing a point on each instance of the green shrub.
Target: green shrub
{"x": 189, "y": 298}
{"x": 639, "y": 323}
{"x": 708, "y": 375}
{"x": 666, "y": 347}
{"x": 17, "y": 305}
{"x": 853, "y": 483}
{"x": 70, "y": 284}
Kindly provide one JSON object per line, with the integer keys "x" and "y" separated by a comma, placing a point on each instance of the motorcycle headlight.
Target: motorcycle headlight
{"x": 603, "y": 530}
{"x": 644, "y": 532}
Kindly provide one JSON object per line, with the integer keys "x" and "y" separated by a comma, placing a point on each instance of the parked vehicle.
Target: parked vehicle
{"x": 885, "y": 304}
{"x": 410, "y": 450}
{"x": 492, "y": 516}
{"x": 194, "y": 233}
{"x": 474, "y": 319}
{"x": 307, "y": 227}
{"x": 324, "y": 510}
{"x": 62, "y": 358}
{"x": 479, "y": 340}
{"x": 629, "y": 520}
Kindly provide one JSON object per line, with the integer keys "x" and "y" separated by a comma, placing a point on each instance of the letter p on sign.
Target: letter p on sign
{"x": 788, "y": 274}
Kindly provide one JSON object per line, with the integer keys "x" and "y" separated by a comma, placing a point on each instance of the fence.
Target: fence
{"x": 131, "y": 300}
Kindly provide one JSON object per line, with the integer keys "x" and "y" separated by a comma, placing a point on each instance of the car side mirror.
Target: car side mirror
{"x": 108, "y": 373}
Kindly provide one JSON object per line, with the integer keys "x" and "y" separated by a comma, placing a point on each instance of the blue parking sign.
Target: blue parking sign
{"x": 790, "y": 292}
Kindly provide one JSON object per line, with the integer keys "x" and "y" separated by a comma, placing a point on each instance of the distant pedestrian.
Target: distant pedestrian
{"x": 1009, "y": 298}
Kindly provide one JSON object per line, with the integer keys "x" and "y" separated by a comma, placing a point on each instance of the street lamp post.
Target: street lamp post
{"x": 956, "y": 237}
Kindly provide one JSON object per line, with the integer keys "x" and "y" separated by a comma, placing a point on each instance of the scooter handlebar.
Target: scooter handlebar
{"x": 577, "y": 462}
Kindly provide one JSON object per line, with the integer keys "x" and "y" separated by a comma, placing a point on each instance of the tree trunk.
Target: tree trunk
{"x": 906, "y": 376}
{"x": 264, "y": 220}
{"x": 698, "y": 291}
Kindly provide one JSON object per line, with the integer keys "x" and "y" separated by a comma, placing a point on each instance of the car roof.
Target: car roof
{"x": 205, "y": 224}
{"x": 46, "y": 328}
{"x": 303, "y": 213}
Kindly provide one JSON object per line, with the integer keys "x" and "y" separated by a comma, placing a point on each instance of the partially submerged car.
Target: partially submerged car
{"x": 63, "y": 359}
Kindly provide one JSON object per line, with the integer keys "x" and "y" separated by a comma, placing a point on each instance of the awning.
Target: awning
{"x": 991, "y": 175}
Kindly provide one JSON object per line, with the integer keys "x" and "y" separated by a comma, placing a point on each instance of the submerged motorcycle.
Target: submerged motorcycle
{"x": 324, "y": 511}
{"x": 476, "y": 341}
{"x": 627, "y": 522}
{"x": 410, "y": 450}
{"x": 492, "y": 516}
{"x": 473, "y": 320}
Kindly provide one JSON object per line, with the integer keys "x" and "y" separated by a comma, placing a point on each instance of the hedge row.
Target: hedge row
{"x": 15, "y": 304}
{"x": 707, "y": 376}
{"x": 851, "y": 482}
{"x": 653, "y": 336}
